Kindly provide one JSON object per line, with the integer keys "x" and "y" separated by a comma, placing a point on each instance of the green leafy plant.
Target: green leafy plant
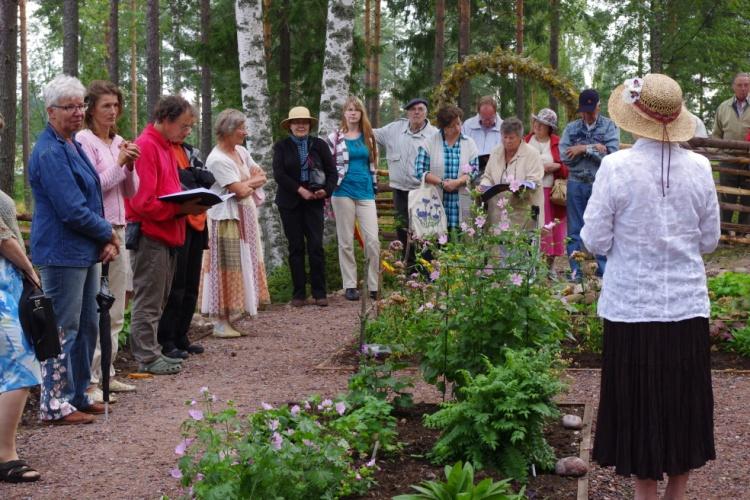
{"x": 459, "y": 485}
{"x": 499, "y": 419}
{"x": 740, "y": 342}
{"x": 730, "y": 295}
{"x": 379, "y": 380}
{"x": 319, "y": 449}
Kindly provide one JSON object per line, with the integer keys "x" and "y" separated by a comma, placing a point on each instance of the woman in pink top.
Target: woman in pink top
{"x": 113, "y": 157}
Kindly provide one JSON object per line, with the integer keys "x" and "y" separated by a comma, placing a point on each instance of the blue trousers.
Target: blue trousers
{"x": 578, "y": 197}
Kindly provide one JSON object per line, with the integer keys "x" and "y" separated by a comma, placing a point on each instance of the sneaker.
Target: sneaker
{"x": 118, "y": 386}
{"x": 176, "y": 354}
{"x": 351, "y": 294}
{"x": 224, "y": 330}
{"x": 97, "y": 396}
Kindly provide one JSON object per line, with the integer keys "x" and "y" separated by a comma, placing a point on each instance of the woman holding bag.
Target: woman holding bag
{"x": 354, "y": 149}
{"x": 448, "y": 160}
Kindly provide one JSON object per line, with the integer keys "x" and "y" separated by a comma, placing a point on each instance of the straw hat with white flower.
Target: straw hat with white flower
{"x": 652, "y": 107}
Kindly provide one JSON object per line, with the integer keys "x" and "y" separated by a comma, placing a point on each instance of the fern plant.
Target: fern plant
{"x": 499, "y": 418}
{"x": 459, "y": 485}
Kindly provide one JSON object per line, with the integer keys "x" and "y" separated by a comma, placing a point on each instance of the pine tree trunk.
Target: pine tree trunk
{"x": 153, "y": 51}
{"x": 133, "y": 70}
{"x": 464, "y": 41}
{"x": 177, "y": 11}
{"x": 655, "y": 38}
{"x": 25, "y": 109}
{"x": 368, "y": 50}
{"x": 267, "y": 30}
{"x": 554, "y": 44}
{"x": 255, "y": 104}
{"x": 113, "y": 42}
{"x": 206, "y": 96}
{"x": 438, "y": 60}
{"x": 520, "y": 100}
{"x": 70, "y": 37}
{"x": 285, "y": 60}
{"x": 374, "y": 108}
{"x": 8, "y": 75}
{"x": 337, "y": 63}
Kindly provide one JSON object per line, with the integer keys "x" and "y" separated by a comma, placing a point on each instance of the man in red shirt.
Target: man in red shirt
{"x": 162, "y": 230}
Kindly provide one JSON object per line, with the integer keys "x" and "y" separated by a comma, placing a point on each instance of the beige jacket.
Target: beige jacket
{"x": 526, "y": 165}
{"x": 728, "y": 125}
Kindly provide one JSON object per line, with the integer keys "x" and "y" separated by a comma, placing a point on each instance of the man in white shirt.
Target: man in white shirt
{"x": 401, "y": 140}
{"x": 484, "y": 128}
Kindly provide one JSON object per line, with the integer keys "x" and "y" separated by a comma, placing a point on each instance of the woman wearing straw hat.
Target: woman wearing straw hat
{"x": 653, "y": 212}
{"x": 305, "y": 172}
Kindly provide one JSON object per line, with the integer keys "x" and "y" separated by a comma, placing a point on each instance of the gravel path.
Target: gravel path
{"x": 130, "y": 457}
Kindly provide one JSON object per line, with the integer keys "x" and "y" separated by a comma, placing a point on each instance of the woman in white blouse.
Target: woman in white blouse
{"x": 234, "y": 279}
{"x": 653, "y": 212}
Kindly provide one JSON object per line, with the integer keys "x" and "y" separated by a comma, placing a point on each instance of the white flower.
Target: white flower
{"x": 631, "y": 91}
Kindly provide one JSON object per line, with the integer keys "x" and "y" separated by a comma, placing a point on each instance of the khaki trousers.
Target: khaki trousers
{"x": 347, "y": 211}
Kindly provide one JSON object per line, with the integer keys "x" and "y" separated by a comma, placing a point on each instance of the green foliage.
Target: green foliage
{"x": 459, "y": 485}
{"x": 312, "y": 452}
{"x": 124, "y": 334}
{"x": 740, "y": 342}
{"x": 588, "y": 327}
{"x": 380, "y": 381}
{"x": 499, "y": 418}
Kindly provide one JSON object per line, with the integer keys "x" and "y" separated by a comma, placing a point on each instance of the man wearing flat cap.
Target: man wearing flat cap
{"x": 583, "y": 145}
{"x": 401, "y": 140}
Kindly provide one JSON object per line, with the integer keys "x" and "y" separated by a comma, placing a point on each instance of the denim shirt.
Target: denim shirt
{"x": 68, "y": 226}
{"x": 583, "y": 167}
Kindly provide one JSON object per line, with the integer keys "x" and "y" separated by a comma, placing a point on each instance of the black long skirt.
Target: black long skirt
{"x": 656, "y": 402}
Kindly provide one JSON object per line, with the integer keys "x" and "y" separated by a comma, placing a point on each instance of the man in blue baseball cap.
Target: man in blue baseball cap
{"x": 583, "y": 145}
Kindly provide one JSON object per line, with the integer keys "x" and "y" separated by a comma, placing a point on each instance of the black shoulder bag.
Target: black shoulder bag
{"x": 38, "y": 321}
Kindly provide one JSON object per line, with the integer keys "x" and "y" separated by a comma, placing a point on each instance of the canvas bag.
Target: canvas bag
{"x": 426, "y": 213}
{"x": 559, "y": 193}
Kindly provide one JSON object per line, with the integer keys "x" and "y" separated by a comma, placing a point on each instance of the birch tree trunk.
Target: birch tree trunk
{"x": 70, "y": 37}
{"x": 153, "y": 51}
{"x": 374, "y": 101}
{"x": 206, "y": 97}
{"x": 113, "y": 42}
{"x": 8, "y": 75}
{"x": 25, "y": 109}
{"x": 337, "y": 63}
{"x": 255, "y": 104}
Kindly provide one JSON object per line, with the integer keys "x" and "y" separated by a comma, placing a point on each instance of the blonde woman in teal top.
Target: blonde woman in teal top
{"x": 354, "y": 149}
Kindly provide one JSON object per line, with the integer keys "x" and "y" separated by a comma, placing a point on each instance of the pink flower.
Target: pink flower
{"x": 294, "y": 410}
{"x": 470, "y": 231}
{"x": 176, "y": 473}
{"x": 434, "y": 275}
{"x": 443, "y": 239}
{"x": 429, "y": 305}
{"x": 371, "y": 463}
{"x": 357, "y": 476}
{"x": 464, "y": 226}
{"x": 199, "y": 477}
{"x": 514, "y": 185}
{"x": 500, "y": 202}
{"x": 273, "y": 425}
{"x": 479, "y": 221}
{"x": 180, "y": 448}
{"x": 516, "y": 279}
{"x": 193, "y": 403}
{"x": 467, "y": 169}
{"x": 307, "y": 443}
{"x": 550, "y": 225}
{"x": 276, "y": 441}
{"x": 204, "y": 390}
{"x": 307, "y": 405}
{"x": 340, "y": 408}
{"x": 503, "y": 225}
{"x": 266, "y": 406}
{"x": 195, "y": 414}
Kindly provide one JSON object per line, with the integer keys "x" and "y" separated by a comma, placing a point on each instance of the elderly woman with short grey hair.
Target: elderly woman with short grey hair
{"x": 234, "y": 280}
{"x": 70, "y": 237}
{"x": 515, "y": 167}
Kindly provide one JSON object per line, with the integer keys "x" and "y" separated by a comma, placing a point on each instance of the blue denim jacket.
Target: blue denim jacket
{"x": 68, "y": 227}
{"x": 583, "y": 168}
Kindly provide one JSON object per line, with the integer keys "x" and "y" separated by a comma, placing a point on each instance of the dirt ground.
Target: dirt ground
{"x": 130, "y": 456}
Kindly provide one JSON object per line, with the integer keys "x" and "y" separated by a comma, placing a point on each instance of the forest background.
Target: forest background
{"x": 389, "y": 52}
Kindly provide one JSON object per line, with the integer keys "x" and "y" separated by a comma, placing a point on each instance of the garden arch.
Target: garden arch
{"x": 502, "y": 61}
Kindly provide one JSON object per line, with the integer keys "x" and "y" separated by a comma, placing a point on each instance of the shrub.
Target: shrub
{"x": 740, "y": 342}
{"x": 499, "y": 419}
{"x": 459, "y": 484}
{"x": 380, "y": 381}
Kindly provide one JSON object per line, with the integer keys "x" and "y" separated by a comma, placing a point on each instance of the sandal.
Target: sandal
{"x": 160, "y": 366}
{"x": 15, "y": 471}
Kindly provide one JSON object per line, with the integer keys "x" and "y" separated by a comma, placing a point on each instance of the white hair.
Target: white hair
{"x": 62, "y": 87}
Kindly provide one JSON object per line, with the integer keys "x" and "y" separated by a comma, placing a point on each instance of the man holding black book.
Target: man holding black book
{"x": 156, "y": 229}
{"x": 484, "y": 128}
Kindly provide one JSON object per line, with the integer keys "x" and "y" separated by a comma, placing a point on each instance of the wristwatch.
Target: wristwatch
{"x": 442, "y": 184}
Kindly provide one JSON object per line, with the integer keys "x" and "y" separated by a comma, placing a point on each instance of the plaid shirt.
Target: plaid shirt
{"x": 452, "y": 160}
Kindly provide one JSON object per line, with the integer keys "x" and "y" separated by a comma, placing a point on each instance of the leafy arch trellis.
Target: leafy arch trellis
{"x": 501, "y": 61}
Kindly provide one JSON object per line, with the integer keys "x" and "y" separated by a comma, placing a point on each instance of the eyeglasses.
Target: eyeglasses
{"x": 71, "y": 107}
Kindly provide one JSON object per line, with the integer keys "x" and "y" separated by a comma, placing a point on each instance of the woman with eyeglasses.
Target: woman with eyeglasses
{"x": 70, "y": 237}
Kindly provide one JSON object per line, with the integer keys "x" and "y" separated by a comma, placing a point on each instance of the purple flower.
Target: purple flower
{"x": 464, "y": 226}
{"x": 199, "y": 477}
{"x": 479, "y": 221}
{"x": 443, "y": 239}
{"x": 266, "y": 406}
{"x": 500, "y": 202}
{"x": 276, "y": 441}
{"x": 307, "y": 443}
{"x": 204, "y": 390}
{"x": 467, "y": 169}
{"x": 434, "y": 275}
{"x": 515, "y": 185}
{"x": 516, "y": 279}
{"x": 176, "y": 473}
{"x": 326, "y": 403}
{"x": 371, "y": 463}
{"x": 550, "y": 225}
{"x": 294, "y": 410}
{"x": 429, "y": 305}
{"x": 396, "y": 245}
{"x": 180, "y": 448}
{"x": 273, "y": 425}
{"x": 340, "y": 408}
{"x": 307, "y": 405}
{"x": 470, "y": 231}
{"x": 195, "y": 414}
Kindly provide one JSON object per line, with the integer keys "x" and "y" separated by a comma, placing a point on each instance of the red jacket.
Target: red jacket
{"x": 157, "y": 175}
{"x": 562, "y": 172}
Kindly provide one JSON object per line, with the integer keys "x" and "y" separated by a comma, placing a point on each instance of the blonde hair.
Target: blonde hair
{"x": 364, "y": 124}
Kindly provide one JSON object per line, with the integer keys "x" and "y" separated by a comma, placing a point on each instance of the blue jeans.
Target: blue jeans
{"x": 65, "y": 378}
{"x": 578, "y": 197}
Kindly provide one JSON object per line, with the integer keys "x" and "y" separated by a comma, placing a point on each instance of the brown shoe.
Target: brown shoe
{"x": 298, "y": 302}
{"x": 74, "y": 418}
{"x": 95, "y": 409}
{"x": 322, "y": 302}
